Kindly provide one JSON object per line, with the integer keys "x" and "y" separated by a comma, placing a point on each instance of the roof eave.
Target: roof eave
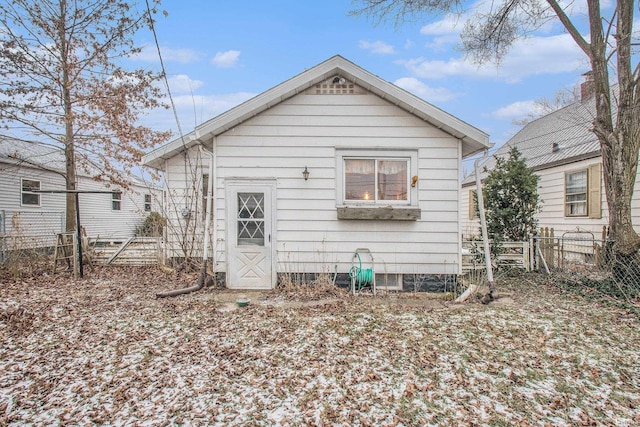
{"x": 566, "y": 161}
{"x": 473, "y": 139}
{"x": 155, "y": 158}
{"x": 339, "y": 65}
{"x": 562, "y": 162}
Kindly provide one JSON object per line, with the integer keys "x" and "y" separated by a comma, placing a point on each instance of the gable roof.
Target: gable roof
{"x": 32, "y": 154}
{"x": 473, "y": 139}
{"x": 569, "y": 128}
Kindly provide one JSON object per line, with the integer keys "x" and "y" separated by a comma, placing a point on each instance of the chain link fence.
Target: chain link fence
{"x": 578, "y": 260}
{"x": 28, "y": 238}
{"x": 585, "y": 263}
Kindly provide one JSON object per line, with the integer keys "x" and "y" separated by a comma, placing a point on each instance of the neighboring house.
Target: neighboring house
{"x": 332, "y": 160}
{"x": 565, "y": 154}
{"x": 29, "y": 166}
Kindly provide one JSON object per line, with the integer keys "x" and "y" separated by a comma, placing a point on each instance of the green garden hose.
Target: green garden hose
{"x": 361, "y": 276}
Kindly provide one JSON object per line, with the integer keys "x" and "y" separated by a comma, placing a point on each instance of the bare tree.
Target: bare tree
{"x": 544, "y": 105}
{"x": 63, "y": 82}
{"x": 488, "y": 35}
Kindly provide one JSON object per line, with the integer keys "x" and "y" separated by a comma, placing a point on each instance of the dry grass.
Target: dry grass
{"x": 321, "y": 287}
{"x": 105, "y": 350}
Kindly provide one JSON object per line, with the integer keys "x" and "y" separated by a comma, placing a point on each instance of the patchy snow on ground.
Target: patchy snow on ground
{"x": 104, "y": 350}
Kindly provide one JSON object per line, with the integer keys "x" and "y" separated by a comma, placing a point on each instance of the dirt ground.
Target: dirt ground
{"x": 105, "y": 350}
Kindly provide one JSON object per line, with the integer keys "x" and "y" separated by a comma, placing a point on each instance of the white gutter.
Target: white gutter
{"x": 210, "y": 211}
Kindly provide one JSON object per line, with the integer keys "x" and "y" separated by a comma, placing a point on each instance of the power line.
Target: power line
{"x": 164, "y": 73}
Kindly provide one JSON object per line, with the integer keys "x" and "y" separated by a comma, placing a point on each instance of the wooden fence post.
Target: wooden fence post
{"x": 547, "y": 246}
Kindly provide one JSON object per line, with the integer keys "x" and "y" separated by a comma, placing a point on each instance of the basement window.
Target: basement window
{"x": 390, "y": 282}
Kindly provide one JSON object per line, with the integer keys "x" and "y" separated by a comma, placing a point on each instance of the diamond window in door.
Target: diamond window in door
{"x": 251, "y": 219}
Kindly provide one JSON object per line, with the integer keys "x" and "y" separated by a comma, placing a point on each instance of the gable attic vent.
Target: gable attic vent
{"x": 336, "y": 85}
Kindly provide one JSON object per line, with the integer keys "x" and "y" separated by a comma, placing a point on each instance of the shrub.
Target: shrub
{"x": 152, "y": 226}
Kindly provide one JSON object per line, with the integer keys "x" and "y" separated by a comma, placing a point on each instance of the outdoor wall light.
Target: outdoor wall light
{"x": 305, "y": 173}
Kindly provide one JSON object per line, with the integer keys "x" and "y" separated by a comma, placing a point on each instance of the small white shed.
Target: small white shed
{"x": 329, "y": 161}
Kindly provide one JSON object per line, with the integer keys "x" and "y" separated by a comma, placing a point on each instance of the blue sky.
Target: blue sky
{"x": 220, "y": 53}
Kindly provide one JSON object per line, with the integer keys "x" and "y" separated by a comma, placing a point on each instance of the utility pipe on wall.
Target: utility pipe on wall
{"x": 207, "y": 239}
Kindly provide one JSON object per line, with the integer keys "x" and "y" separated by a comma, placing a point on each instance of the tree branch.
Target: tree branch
{"x": 568, "y": 25}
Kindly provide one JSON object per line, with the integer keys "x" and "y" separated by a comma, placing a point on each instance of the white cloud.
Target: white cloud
{"x": 212, "y": 105}
{"x": 194, "y": 110}
{"x": 574, "y": 8}
{"x": 227, "y": 59}
{"x": 533, "y": 56}
{"x": 181, "y": 83}
{"x": 447, "y": 30}
{"x": 519, "y": 110}
{"x": 378, "y": 46}
{"x": 450, "y": 24}
{"x": 149, "y": 53}
{"x": 437, "y": 69}
{"x": 425, "y": 92}
{"x": 442, "y": 43}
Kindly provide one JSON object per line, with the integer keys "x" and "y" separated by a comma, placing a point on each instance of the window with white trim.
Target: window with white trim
{"x": 116, "y": 201}
{"x": 147, "y": 202}
{"x": 28, "y": 197}
{"x": 373, "y": 180}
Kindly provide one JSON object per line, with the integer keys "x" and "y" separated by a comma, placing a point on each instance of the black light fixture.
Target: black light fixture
{"x": 305, "y": 173}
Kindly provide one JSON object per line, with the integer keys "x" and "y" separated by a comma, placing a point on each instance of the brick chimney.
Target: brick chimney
{"x": 587, "y": 88}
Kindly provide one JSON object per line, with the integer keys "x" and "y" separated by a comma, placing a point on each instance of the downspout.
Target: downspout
{"x": 207, "y": 240}
{"x": 211, "y": 206}
{"x": 483, "y": 226}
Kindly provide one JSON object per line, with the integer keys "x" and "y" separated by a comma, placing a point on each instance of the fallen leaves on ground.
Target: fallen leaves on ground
{"x": 104, "y": 350}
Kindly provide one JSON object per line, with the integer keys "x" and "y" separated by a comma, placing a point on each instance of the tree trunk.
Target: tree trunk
{"x": 69, "y": 143}
{"x": 70, "y": 213}
{"x": 619, "y": 144}
{"x": 627, "y": 241}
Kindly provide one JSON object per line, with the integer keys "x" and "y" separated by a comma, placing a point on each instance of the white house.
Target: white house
{"x": 561, "y": 149}
{"x": 330, "y": 161}
{"x": 24, "y": 213}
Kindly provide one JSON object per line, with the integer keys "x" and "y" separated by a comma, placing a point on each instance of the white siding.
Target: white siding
{"x": 100, "y": 220}
{"x": 306, "y": 130}
{"x": 551, "y": 192}
{"x": 470, "y": 226}
{"x": 30, "y": 226}
{"x": 183, "y": 177}
{"x": 96, "y": 215}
